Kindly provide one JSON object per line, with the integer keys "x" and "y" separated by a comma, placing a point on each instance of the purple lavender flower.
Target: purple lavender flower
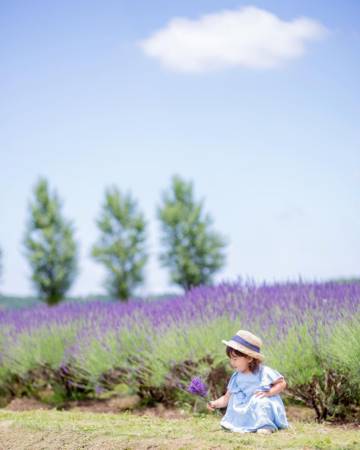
{"x": 99, "y": 390}
{"x": 198, "y": 387}
{"x": 81, "y": 324}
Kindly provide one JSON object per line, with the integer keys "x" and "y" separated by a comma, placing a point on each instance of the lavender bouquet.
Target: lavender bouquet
{"x": 199, "y": 388}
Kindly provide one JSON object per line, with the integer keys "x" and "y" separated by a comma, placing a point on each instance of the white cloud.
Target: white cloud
{"x": 248, "y": 37}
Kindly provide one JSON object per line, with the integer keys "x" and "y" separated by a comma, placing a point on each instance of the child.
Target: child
{"x": 252, "y": 397}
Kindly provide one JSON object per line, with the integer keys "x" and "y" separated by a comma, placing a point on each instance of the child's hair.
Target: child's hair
{"x": 253, "y": 364}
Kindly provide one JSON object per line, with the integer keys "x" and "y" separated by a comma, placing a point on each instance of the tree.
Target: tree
{"x": 121, "y": 246}
{"x": 50, "y": 246}
{"x": 192, "y": 250}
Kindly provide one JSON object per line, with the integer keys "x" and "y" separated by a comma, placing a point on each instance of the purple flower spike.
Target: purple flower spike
{"x": 198, "y": 387}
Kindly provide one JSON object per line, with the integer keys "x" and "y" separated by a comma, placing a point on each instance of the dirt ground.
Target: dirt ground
{"x": 116, "y": 405}
{"x": 157, "y": 428}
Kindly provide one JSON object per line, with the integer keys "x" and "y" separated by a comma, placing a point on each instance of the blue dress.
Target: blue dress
{"x": 247, "y": 413}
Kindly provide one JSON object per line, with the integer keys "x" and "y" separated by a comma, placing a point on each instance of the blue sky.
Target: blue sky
{"x": 273, "y": 151}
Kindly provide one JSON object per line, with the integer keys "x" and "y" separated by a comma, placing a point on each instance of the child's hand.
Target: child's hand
{"x": 211, "y": 406}
{"x": 262, "y": 394}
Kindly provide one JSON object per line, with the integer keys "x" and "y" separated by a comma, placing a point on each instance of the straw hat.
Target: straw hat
{"x": 247, "y": 343}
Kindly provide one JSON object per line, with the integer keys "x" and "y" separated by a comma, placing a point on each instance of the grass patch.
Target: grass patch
{"x": 75, "y": 430}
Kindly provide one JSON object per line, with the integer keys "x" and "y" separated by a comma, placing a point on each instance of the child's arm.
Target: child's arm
{"x": 221, "y": 402}
{"x": 277, "y": 387}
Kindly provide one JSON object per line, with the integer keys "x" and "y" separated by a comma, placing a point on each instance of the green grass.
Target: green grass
{"x": 78, "y": 430}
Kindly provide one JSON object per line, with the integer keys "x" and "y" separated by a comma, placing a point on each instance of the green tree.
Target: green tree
{"x": 49, "y": 245}
{"x": 121, "y": 246}
{"x": 193, "y": 252}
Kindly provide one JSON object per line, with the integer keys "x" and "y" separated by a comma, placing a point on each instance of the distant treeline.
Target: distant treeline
{"x": 190, "y": 249}
{"x": 18, "y": 302}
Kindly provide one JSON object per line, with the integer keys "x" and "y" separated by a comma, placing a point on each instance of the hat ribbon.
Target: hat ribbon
{"x": 246, "y": 343}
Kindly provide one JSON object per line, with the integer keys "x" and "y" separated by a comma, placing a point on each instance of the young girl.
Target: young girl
{"x": 252, "y": 397}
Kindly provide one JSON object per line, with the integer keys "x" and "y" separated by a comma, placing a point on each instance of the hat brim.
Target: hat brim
{"x": 243, "y": 349}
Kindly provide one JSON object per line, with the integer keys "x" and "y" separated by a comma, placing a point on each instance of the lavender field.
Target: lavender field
{"x": 310, "y": 331}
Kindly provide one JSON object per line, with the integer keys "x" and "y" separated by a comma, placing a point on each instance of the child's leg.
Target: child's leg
{"x": 265, "y": 430}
